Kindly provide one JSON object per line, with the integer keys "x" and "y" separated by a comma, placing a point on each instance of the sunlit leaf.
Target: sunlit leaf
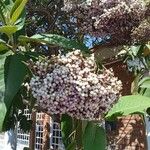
{"x": 126, "y": 105}
{"x": 53, "y": 39}
{"x": 145, "y": 82}
{"x": 2, "y": 7}
{"x": 146, "y": 50}
{"x": 3, "y": 46}
{"x": 135, "y": 49}
{"x": 2, "y": 90}
{"x": 9, "y": 30}
{"x": 16, "y": 11}
{"x": 148, "y": 46}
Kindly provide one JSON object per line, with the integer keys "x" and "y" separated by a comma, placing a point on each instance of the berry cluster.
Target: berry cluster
{"x": 114, "y": 18}
{"x": 68, "y": 84}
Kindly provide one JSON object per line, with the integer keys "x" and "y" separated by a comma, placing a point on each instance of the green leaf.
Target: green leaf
{"x": 84, "y": 124}
{"x": 135, "y": 49}
{"x": 8, "y": 2}
{"x": 9, "y": 30}
{"x": 79, "y": 134}
{"x": 148, "y": 46}
{"x": 2, "y": 41}
{"x": 94, "y": 137}
{"x": 2, "y": 114}
{"x": 15, "y": 72}
{"x": 143, "y": 80}
{"x": 144, "y": 83}
{"x": 126, "y": 105}
{"x": 71, "y": 146}
{"x": 147, "y": 93}
{"x": 66, "y": 129}
{"x": 15, "y": 6}
{"x": 2, "y": 7}
{"x": 21, "y": 21}
{"x": 2, "y": 85}
{"x": 2, "y": 89}
{"x": 3, "y": 46}
{"x": 17, "y": 9}
{"x": 53, "y": 39}
{"x": 5, "y": 7}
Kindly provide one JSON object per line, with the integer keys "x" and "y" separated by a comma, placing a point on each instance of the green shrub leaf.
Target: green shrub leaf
{"x": 126, "y": 105}
{"x": 15, "y": 72}
{"x": 2, "y": 89}
{"x": 94, "y": 137}
{"x": 53, "y": 39}
{"x": 2, "y": 7}
{"x": 145, "y": 92}
{"x": 148, "y": 46}
{"x": 66, "y": 129}
{"x": 2, "y": 114}
{"x": 17, "y": 9}
{"x": 3, "y": 46}
{"x": 9, "y": 30}
{"x": 145, "y": 82}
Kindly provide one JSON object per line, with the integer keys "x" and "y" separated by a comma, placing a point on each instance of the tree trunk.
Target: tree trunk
{"x": 32, "y": 131}
{"x": 46, "y": 132}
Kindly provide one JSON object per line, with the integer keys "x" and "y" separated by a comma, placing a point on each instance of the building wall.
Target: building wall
{"x": 129, "y": 134}
{"x": 18, "y": 140}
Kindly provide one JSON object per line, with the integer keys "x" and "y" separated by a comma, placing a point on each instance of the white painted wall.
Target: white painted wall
{"x": 10, "y": 140}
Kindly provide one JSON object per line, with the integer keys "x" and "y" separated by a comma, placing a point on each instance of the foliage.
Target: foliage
{"x": 94, "y": 137}
{"x": 132, "y": 104}
{"x": 53, "y": 39}
{"x": 137, "y": 58}
{"x": 15, "y": 71}
{"x": 144, "y": 83}
{"x": 2, "y": 89}
{"x": 138, "y": 61}
{"x": 82, "y": 134}
{"x": 15, "y": 51}
{"x": 67, "y": 129}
